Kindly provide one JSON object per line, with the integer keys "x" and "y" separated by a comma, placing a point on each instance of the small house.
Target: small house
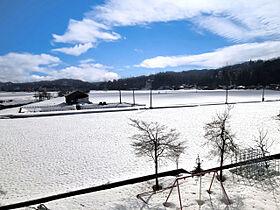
{"x": 76, "y": 97}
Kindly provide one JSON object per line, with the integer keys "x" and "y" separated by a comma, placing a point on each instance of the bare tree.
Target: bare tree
{"x": 42, "y": 94}
{"x": 220, "y": 138}
{"x": 175, "y": 153}
{"x": 263, "y": 143}
{"x": 155, "y": 141}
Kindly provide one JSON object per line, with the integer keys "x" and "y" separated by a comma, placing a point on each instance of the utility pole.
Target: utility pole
{"x": 120, "y": 94}
{"x": 151, "y": 92}
{"x": 263, "y": 94}
{"x": 227, "y": 95}
{"x": 151, "y": 98}
{"x": 133, "y": 95}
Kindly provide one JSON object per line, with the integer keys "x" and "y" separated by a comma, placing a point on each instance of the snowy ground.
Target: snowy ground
{"x": 13, "y": 98}
{"x": 182, "y": 97}
{"x": 159, "y": 98}
{"x": 50, "y": 155}
{"x": 243, "y": 194}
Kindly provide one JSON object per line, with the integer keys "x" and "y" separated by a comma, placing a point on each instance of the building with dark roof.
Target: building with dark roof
{"x": 76, "y": 97}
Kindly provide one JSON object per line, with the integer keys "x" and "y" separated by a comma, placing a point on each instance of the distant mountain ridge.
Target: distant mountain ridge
{"x": 251, "y": 73}
{"x": 53, "y": 85}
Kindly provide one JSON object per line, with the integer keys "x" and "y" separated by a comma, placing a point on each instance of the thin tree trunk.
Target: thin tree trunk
{"x": 156, "y": 167}
{"x": 222, "y": 159}
{"x": 223, "y": 150}
{"x": 156, "y": 172}
{"x": 221, "y": 164}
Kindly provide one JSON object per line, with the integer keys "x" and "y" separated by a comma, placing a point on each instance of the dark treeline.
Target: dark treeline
{"x": 55, "y": 85}
{"x": 248, "y": 74}
{"x": 252, "y": 73}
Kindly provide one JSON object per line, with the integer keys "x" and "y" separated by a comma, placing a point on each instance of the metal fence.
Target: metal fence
{"x": 255, "y": 170}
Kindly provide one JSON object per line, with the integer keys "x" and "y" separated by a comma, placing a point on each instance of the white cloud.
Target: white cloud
{"x": 88, "y": 72}
{"x": 130, "y": 12}
{"x": 220, "y": 57}
{"x": 237, "y": 20}
{"x": 87, "y": 60}
{"x": 76, "y": 50}
{"x": 16, "y": 67}
{"x": 95, "y": 65}
{"x": 224, "y": 27}
{"x": 138, "y": 50}
{"x": 86, "y": 31}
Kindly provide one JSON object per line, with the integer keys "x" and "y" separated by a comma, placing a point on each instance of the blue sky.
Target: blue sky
{"x": 105, "y": 40}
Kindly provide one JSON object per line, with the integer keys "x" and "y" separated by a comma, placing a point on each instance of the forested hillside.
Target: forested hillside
{"x": 248, "y": 74}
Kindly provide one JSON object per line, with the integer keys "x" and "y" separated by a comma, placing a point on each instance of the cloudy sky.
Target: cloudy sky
{"x": 96, "y": 40}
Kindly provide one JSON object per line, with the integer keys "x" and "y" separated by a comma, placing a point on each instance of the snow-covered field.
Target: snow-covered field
{"x": 179, "y": 97}
{"x": 12, "y": 98}
{"x": 159, "y": 98}
{"x": 50, "y": 155}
